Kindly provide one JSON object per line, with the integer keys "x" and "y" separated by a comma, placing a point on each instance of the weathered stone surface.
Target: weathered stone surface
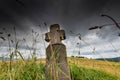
{"x": 55, "y": 35}
{"x": 56, "y": 57}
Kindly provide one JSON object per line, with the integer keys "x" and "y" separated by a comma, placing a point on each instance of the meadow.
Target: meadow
{"x": 81, "y": 69}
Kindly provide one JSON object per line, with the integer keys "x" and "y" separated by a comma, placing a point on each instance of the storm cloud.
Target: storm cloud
{"x": 73, "y": 15}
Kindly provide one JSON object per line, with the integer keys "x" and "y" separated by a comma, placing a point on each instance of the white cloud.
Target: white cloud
{"x": 92, "y": 45}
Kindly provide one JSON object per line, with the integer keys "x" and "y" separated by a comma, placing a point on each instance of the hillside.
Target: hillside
{"x": 116, "y": 59}
{"x": 106, "y": 66}
{"x": 81, "y": 69}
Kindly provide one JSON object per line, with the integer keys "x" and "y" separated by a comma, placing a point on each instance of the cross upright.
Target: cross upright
{"x": 56, "y": 55}
{"x": 55, "y": 36}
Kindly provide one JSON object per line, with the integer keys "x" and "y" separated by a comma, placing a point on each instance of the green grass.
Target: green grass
{"x": 80, "y": 73}
{"x": 30, "y": 70}
{"x": 112, "y": 68}
{"x": 27, "y": 70}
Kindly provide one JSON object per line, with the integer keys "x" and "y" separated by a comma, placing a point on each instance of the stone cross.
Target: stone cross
{"x": 55, "y": 35}
{"x": 56, "y": 57}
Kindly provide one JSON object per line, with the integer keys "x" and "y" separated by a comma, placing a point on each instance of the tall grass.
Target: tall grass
{"x": 22, "y": 70}
{"x": 80, "y": 73}
{"x": 31, "y": 70}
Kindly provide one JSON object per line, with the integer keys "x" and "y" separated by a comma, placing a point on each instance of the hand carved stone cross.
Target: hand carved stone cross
{"x": 56, "y": 57}
{"x": 55, "y": 35}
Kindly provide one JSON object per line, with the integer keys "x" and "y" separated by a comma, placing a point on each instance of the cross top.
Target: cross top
{"x": 54, "y": 27}
{"x": 55, "y": 35}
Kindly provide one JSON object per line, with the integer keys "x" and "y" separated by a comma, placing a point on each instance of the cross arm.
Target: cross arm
{"x": 47, "y": 38}
{"x": 62, "y": 35}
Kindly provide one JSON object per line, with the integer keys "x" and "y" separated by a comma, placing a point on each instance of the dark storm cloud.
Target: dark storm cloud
{"x": 76, "y": 15}
{"x": 85, "y": 8}
{"x": 81, "y": 10}
{"x": 17, "y": 11}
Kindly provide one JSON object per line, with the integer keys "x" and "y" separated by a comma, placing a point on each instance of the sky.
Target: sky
{"x": 33, "y": 17}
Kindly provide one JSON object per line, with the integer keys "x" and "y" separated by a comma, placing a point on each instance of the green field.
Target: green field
{"x": 81, "y": 69}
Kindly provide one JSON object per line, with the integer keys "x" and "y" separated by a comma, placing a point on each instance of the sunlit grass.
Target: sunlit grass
{"x": 80, "y": 73}
{"x": 109, "y": 67}
{"x": 22, "y": 70}
{"x": 35, "y": 70}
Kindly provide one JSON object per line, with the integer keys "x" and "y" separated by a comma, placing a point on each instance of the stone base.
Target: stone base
{"x": 56, "y": 63}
